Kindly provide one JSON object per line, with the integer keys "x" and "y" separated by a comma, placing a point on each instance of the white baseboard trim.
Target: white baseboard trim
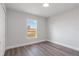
{"x": 77, "y": 49}
{"x": 24, "y": 44}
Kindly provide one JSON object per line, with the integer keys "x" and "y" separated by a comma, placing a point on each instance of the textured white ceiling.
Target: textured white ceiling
{"x": 38, "y": 9}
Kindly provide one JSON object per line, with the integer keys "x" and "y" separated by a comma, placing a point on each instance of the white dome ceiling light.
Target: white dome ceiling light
{"x": 45, "y": 5}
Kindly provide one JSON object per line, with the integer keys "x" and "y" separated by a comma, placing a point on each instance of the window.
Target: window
{"x": 31, "y": 28}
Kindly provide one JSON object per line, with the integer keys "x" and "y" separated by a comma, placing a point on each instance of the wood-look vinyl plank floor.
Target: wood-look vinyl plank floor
{"x": 42, "y": 49}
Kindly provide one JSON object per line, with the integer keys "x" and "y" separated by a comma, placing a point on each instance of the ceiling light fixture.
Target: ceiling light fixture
{"x": 45, "y": 5}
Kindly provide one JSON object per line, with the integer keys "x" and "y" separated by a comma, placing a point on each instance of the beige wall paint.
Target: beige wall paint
{"x": 16, "y": 28}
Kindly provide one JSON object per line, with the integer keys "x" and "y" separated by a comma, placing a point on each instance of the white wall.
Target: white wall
{"x": 64, "y": 29}
{"x": 16, "y": 28}
{"x": 2, "y": 30}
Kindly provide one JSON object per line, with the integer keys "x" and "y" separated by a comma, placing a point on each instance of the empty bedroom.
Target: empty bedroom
{"x": 39, "y": 29}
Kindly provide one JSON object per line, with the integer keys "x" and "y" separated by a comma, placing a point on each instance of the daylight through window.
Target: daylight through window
{"x": 31, "y": 28}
